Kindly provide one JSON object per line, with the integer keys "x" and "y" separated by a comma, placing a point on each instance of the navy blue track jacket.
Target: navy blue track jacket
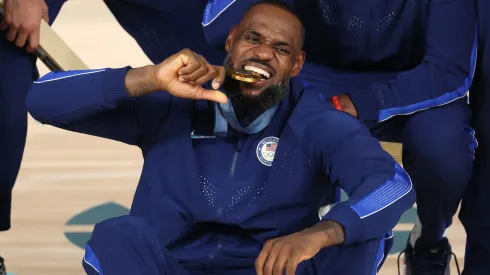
{"x": 222, "y": 198}
{"x": 393, "y": 57}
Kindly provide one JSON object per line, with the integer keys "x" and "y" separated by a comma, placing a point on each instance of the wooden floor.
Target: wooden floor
{"x": 70, "y": 181}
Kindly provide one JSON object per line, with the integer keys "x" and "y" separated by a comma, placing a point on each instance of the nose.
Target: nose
{"x": 264, "y": 52}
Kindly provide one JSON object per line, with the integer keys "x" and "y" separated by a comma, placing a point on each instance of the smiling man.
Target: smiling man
{"x": 234, "y": 172}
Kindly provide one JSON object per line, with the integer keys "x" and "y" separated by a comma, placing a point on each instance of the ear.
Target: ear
{"x": 298, "y": 64}
{"x": 230, "y": 39}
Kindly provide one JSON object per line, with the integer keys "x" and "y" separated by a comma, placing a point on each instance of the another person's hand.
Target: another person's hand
{"x": 286, "y": 253}
{"x": 23, "y": 18}
{"x": 347, "y": 105}
{"x": 181, "y": 75}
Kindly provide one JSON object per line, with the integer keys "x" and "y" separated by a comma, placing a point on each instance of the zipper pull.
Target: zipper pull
{"x": 239, "y": 145}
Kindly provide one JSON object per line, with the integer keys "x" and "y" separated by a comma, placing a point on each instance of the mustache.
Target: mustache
{"x": 261, "y": 62}
{"x": 270, "y": 96}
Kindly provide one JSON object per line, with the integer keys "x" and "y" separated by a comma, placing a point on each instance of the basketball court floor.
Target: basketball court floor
{"x": 68, "y": 181}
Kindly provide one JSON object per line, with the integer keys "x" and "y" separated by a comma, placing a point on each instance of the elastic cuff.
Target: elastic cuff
{"x": 113, "y": 85}
{"x": 349, "y": 219}
{"x": 5, "y": 209}
{"x": 365, "y": 103}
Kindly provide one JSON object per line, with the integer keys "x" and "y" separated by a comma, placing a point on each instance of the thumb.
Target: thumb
{"x": 220, "y": 78}
{"x": 213, "y": 95}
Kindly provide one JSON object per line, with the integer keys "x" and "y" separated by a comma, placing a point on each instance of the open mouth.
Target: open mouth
{"x": 264, "y": 73}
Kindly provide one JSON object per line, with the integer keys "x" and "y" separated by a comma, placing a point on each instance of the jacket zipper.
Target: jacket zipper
{"x": 220, "y": 209}
{"x": 233, "y": 162}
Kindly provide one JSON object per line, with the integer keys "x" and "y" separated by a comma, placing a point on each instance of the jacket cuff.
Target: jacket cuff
{"x": 366, "y": 104}
{"x": 113, "y": 85}
{"x": 350, "y": 221}
{"x": 5, "y": 209}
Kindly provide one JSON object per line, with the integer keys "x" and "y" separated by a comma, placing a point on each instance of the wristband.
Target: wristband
{"x": 336, "y": 103}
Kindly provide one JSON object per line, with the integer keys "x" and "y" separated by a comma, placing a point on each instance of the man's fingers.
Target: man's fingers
{"x": 212, "y": 73}
{"x": 11, "y": 34}
{"x": 220, "y": 78}
{"x": 46, "y": 14}
{"x": 260, "y": 261}
{"x": 282, "y": 259}
{"x": 184, "y": 59}
{"x": 193, "y": 76}
{"x": 33, "y": 41}
{"x": 189, "y": 68}
{"x": 21, "y": 39}
{"x": 272, "y": 258}
{"x": 205, "y": 78}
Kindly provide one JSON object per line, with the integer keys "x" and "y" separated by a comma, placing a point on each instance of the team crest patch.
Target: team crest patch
{"x": 266, "y": 150}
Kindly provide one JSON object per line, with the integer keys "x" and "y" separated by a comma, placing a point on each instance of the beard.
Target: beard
{"x": 266, "y": 99}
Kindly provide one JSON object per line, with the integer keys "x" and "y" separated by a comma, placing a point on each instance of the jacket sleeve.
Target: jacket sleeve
{"x": 93, "y": 102}
{"x": 379, "y": 190}
{"x": 444, "y": 75}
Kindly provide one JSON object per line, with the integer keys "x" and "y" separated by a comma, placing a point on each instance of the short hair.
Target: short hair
{"x": 284, "y": 6}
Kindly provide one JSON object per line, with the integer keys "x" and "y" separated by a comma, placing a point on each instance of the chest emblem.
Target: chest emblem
{"x": 266, "y": 149}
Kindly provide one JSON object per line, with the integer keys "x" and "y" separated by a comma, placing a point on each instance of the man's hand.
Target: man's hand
{"x": 289, "y": 251}
{"x": 23, "y": 18}
{"x": 347, "y": 105}
{"x": 181, "y": 74}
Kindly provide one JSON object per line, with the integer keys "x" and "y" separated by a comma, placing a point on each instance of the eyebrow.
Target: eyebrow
{"x": 279, "y": 43}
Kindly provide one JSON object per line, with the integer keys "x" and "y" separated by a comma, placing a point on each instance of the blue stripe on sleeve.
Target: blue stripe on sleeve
{"x": 52, "y": 76}
{"x": 385, "y": 195}
{"x": 438, "y": 101}
{"x": 213, "y": 9}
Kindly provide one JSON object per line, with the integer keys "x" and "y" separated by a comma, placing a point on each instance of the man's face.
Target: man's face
{"x": 267, "y": 41}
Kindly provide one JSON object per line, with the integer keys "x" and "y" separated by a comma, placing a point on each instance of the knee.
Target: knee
{"x": 116, "y": 229}
{"x": 445, "y": 157}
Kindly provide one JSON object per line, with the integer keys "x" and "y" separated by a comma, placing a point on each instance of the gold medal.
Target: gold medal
{"x": 250, "y": 77}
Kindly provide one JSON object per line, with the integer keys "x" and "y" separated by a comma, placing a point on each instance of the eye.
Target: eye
{"x": 282, "y": 51}
{"x": 252, "y": 39}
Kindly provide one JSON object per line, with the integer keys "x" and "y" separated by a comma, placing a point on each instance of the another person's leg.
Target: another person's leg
{"x": 162, "y": 28}
{"x": 475, "y": 208}
{"x": 438, "y": 155}
{"x": 17, "y": 71}
{"x": 127, "y": 245}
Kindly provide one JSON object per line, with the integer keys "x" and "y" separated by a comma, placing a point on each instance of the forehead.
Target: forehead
{"x": 274, "y": 22}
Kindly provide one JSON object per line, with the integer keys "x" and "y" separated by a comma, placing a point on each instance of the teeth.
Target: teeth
{"x": 257, "y": 70}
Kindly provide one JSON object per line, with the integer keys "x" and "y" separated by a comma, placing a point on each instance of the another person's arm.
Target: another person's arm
{"x": 107, "y": 102}
{"x": 444, "y": 75}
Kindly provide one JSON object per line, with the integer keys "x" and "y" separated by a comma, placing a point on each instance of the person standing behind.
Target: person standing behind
{"x": 19, "y": 37}
{"x": 475, "y": 207}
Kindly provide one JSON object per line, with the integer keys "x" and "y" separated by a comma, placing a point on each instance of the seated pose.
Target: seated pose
{"x": 404, "y": 69}
{"x": 234, "y": 172}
